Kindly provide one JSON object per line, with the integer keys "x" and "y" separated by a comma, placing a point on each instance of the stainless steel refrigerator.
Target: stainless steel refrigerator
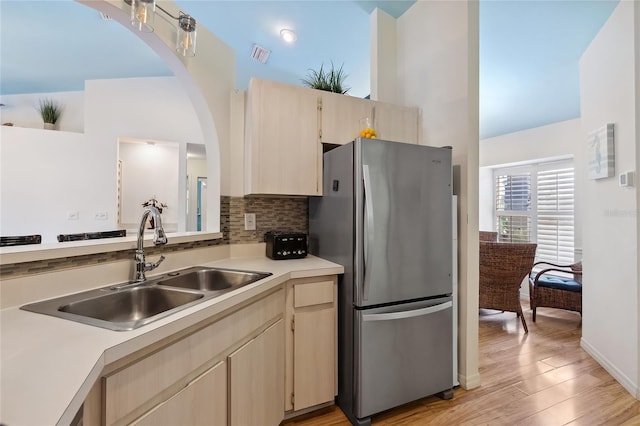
{"x": 386, "y": 216}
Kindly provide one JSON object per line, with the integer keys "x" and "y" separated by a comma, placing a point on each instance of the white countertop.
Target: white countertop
{"x": 48, "y": 364}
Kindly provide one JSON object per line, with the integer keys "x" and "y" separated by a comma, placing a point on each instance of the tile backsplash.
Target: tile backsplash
{"x": 272, "y": 213}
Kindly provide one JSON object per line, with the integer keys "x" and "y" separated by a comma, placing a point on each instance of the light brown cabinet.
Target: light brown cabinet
{"x": 341, "y": 117}
{"x": 283, "y": 155}
{"x": 396, "y": 123}
{"x": 256, "y": 379}
{"x": 202, "y": 402}
{"x": 311, "y": 342}
{"x": 240, "y": 351}
{"x": 249, "y": 365}
{"x": 285, "y": 126}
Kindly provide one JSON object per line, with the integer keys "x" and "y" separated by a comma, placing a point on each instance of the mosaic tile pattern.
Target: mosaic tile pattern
{"x": 272, "y": 213}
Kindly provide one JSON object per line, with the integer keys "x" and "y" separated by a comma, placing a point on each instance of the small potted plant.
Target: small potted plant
{"x": 50, "y": 112}
{"x": 330, "y": 81}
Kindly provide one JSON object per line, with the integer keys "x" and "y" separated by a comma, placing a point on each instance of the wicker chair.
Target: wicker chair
{"x": 503, "y": 266}
{"x": 555, "y": 291}
{"x": 488, "y": 236}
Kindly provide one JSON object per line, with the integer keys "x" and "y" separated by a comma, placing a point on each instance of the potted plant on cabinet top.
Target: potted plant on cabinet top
{"x": 330, "y": 81}
{"x": 50, "y": 112}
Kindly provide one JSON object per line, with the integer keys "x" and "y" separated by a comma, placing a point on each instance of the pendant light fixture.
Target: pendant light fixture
{"x": 142, "y": 15}
{"x": 186, "y": 43}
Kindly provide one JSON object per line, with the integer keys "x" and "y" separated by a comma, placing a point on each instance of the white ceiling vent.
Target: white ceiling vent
{"x": 260, "y": 54}
{"x": 105, "y": 17}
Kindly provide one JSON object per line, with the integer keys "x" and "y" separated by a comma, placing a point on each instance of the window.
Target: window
{"x": 513, "y": 207}
{"x": 535, "y": 203}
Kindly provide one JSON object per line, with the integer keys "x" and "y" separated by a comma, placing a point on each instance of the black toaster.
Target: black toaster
{"x": 286, "y": 245}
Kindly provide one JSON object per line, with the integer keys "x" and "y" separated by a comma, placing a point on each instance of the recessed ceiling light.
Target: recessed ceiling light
{"x": 288, "y": 35}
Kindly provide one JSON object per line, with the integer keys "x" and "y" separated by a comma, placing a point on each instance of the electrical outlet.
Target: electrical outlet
{"x": 73, "y": 215}
{"x": 249, "y": 221}
{"x": 101, "y": 216}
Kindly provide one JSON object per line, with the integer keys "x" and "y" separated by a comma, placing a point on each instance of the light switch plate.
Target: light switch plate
{"x": 625, "y": 179}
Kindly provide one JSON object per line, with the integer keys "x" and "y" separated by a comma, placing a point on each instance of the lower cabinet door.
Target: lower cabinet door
{"x": 202, "y": 402}
{"x": 314, "y": 357}
{"x": 256, "y": 379}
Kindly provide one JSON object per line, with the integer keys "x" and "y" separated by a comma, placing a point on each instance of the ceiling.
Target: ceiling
{"x": 529, "y": 49}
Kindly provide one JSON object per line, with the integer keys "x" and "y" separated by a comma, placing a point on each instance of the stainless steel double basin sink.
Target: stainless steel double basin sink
{"x": 132, "y": 305}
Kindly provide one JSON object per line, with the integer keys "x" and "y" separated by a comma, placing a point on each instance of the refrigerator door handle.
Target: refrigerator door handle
{"x": 368, "y": 229}
{"x": 407, "y": 314}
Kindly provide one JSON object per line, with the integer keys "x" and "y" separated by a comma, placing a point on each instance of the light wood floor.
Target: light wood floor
{"x": 543, "y": 378}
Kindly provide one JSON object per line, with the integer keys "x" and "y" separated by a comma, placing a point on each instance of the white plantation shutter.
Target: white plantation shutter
{"x": 514, "y": 229}
{"x": 513, "y": 207}
{"x": 555, "y": 211}
{"x": 513, "y": 192}
{"x": 536, "y": 203}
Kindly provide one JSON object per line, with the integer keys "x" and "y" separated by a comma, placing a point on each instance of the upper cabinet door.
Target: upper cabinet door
{"x": 341, "y": 117}
{"x": 396, "y": 123}
{"x": 283, "y": 154}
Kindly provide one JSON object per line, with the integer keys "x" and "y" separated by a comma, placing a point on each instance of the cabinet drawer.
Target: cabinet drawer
{"x": 312, "y": 294}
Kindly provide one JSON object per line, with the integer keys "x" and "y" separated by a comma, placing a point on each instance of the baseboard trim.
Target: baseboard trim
{"x": 625, "y": 381}
{"x": 293, "y": 414}
{"x": 470, "y": 382}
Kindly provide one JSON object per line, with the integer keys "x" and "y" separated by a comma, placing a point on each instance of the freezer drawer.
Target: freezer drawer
{"x": 405, "y": 353}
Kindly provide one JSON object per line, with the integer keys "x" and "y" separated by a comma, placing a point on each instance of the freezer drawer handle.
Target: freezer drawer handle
{"x": 368, "y": 229}
{"x": 407, "y": 314}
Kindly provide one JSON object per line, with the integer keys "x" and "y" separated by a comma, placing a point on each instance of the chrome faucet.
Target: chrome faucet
{"x": 159, "y": 238}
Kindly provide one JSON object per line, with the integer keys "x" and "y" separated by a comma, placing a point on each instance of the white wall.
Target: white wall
{"x": 610, "y": 238}
{"x": 637, "y": 185}
{"x": 80, "y": 168}
{"x": 486, "y": 197}
{"x": 195, "y": 168}
{"x": 437, "y": 70}
{"x": 149, "y": 171}
{"x": 154, "y": 108}
{"x": 208, "y": 78}
{"x": 546, "y": 142}
{"x": 554, "y": 141}
{"x": 21, "y": 110}
{"x": 44, "y": 175}
{"x": 384, "y": 70}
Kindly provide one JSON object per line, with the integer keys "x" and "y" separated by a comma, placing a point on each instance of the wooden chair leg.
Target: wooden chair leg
{"x": 534, "y": 314}
{"x": 524, "y": 323}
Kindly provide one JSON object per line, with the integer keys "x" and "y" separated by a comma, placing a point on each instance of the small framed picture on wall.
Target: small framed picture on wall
{"x": 601, "y": 156}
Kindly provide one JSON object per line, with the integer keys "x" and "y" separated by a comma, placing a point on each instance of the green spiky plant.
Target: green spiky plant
{"x": 50, "y": 110}
{"x": 330, "y": 81}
